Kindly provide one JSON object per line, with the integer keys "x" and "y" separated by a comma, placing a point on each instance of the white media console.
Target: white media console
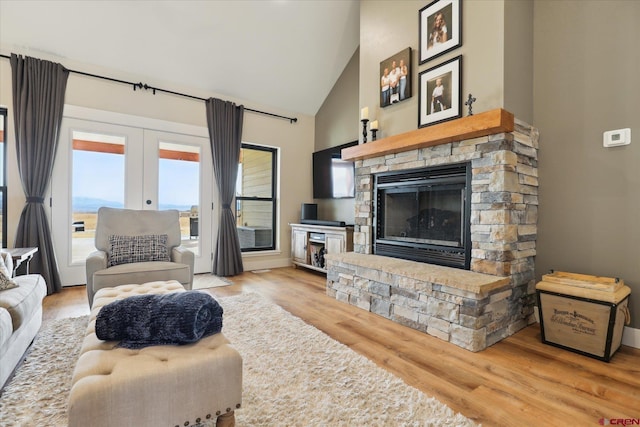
{"x": 309, "y": 244}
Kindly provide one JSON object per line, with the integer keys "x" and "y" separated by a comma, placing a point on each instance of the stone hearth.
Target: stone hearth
{"x": 504, "y": 208}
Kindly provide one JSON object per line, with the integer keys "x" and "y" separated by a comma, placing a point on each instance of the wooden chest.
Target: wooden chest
{"x": 582, "y": 313}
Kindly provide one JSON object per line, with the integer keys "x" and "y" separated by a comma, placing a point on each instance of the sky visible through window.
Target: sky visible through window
{"x": 99, "y": 180}
{"x": 178, "y": 184}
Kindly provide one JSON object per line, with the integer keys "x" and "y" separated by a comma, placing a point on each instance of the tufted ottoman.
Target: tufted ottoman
{"x": 154, "y": 386}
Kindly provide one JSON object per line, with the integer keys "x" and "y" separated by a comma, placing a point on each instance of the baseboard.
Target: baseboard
{"x": 631, "y": 337}
{"x": 250, "y": 264}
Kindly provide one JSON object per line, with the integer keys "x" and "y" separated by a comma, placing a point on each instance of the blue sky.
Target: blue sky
{"x": 179, "y": 182}
{"x": 101, "y": 176}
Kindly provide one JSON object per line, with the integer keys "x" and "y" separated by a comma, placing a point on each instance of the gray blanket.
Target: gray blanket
{"x": 144, "y": 320}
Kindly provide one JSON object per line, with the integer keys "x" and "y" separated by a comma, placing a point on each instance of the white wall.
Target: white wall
{"x": 294, "y": 140}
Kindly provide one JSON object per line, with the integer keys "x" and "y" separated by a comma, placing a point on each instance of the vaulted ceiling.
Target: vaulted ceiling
{"x": 282, "y": 53}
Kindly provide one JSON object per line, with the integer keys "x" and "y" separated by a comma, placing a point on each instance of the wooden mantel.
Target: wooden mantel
{"x": 483, "y": 124}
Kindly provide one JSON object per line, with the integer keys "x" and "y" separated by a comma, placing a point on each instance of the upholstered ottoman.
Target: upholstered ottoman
{"x": 154, "y": 386}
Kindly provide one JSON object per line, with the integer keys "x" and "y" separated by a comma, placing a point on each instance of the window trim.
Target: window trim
{"x": 273, "y": 199}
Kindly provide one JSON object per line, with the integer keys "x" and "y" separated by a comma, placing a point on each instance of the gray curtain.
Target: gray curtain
{"x": 224, "y": 120}
{"x": 38, "y": 100}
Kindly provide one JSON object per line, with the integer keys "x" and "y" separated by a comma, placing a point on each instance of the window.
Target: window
{"x": 3, "y": 175}
{"x": 94, "y": 156}
{"x": 177, "y": 164}
{"x": 256, "y": 198}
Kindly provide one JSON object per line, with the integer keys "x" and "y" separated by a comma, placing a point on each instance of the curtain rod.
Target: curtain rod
{"x": 145, "y": 86}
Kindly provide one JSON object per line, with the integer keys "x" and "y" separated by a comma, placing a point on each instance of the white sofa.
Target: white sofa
{"x": 20, "y": 318}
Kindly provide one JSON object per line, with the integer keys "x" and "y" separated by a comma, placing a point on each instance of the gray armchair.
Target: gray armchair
{"x": 137, "y": 246}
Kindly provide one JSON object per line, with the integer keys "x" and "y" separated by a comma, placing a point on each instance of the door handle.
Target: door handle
{"x": 148, "y": 202}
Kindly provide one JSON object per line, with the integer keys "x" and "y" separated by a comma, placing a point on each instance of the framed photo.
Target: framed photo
{"x": 440, "y": 96}
{"x": 440, "y": 28}
{"x": 395, "y": 78}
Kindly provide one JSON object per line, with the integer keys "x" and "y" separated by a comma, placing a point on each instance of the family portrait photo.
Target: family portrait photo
{"x": 395, "y": 78}
{"x": 440, "y": 28}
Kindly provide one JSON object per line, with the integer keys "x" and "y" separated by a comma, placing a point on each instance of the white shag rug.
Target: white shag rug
{"x": 208, "y": 280}
{"x": 294, "y": 375}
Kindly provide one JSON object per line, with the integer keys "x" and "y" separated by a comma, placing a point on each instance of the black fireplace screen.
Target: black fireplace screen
{"x": 423, "y": 215}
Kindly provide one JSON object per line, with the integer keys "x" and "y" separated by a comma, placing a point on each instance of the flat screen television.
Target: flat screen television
{"x": 333, "y": 178}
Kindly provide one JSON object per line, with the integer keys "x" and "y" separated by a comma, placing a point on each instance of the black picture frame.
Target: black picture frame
{"x": 436, "y": 106}
{"x": 390, "y": 94}
{"x": 433, "y": 17}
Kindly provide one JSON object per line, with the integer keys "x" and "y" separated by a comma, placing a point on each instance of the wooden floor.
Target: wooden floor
{"x": 517, "y": 382}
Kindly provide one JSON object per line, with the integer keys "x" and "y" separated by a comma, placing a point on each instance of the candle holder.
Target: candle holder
{"x": 364, "y": 130}
{"x": 374, "y": 129}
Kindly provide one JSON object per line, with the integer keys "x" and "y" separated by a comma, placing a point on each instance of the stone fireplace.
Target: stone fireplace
{"x": 492, "y": 295}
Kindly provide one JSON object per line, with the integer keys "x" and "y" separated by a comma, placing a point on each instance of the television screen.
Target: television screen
{"x": 333, "y": 178}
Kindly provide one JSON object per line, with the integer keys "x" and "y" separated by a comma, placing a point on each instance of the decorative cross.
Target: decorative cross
{"x": 469, "y": 102}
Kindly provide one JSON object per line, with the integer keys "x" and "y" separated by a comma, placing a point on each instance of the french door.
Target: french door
{"x": 138, "y": 165}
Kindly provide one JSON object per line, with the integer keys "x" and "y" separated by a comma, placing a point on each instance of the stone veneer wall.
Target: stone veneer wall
{"x": 466, "y": 308}
{"x": 504, "y": 211}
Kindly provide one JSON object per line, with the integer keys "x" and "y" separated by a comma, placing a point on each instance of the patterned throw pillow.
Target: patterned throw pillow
{"x": 130, "y": 249}
{"x": 6, "y": 282}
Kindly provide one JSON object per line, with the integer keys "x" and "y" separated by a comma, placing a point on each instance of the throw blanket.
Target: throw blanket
{"x": 144, "y": 320}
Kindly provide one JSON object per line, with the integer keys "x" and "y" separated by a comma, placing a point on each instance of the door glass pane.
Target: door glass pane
{"x": 97, "y": 180}
{"x": 179, "y": 188}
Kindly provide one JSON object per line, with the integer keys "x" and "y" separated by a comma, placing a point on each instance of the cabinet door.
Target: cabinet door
{"x": 334, "y": 243}
{"x": 299, "y": 246}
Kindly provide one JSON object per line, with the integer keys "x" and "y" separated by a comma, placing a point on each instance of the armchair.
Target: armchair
{"x": 137, "y": 246}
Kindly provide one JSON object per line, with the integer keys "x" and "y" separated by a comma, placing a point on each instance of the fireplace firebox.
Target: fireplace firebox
{"x": 424, "y": 215}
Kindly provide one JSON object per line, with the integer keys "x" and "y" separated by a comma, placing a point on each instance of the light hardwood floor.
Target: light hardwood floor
{"x": 516, "y": 382}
